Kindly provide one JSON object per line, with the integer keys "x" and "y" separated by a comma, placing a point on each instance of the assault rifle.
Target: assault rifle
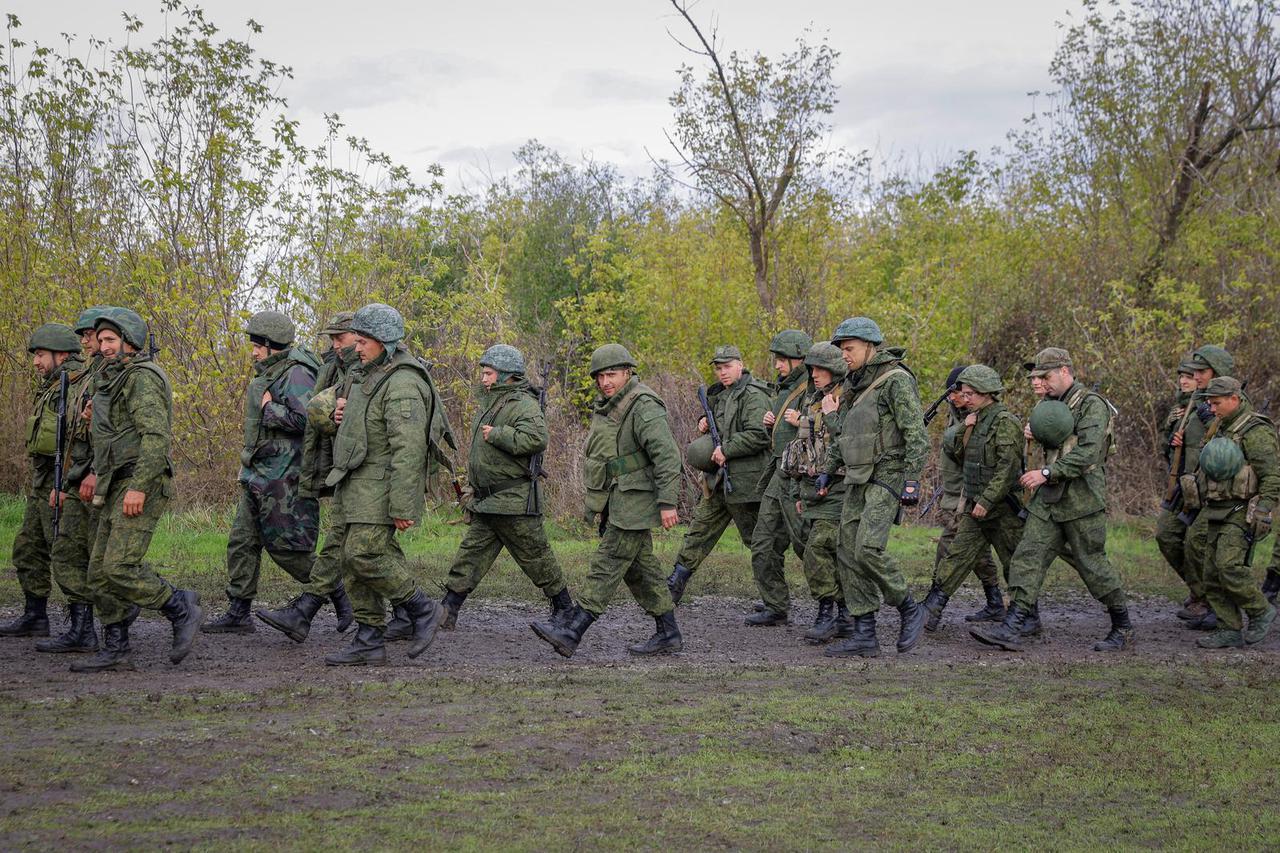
{"x": 715, "y": 434}
{"x": 60, "y": 440}
{"x": 932, "y": 412}
{"x": 536, "y": 472}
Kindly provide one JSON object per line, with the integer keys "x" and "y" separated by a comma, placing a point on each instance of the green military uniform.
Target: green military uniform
{"x": 79, "y": 522}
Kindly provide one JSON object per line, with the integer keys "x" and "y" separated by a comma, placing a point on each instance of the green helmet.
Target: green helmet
{"x": 981, "y": 378}
{"x": 610, "y": 355}
{"x": 828, "y": 357}
{"x": 699, "y": 454}
{"x": 1052, "y": 422}
{"x": 320, "y": 409}
{"x": 128, "y": 323}
{"x": 271, "y": 328}
{"x": 380, "y": 322}
{"x": 503, "y": 358}
{"x": 88, "y": 317}
{"x": 1221, "y": 459}
{"x": 861, "y": 328}
{"x": 1215, "y": 358}
{"x": 790, "y": 343}
{"x": 54, "y": 337}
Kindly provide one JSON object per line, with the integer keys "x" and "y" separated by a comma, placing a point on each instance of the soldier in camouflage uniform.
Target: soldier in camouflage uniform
{"x": 881, "y": 449}
{"x": 132, "y": 431}
{"x": 381, "y": 455}
{"x": 988, "y": 453}
{"x": 1236, "y": 509}
{"x": 1068, "y": 509}
{"x": 632, "y": 473}
{"x": 504, "y": 508}
{"x": 54, "y": 349}
{"x": 739, "y": 403}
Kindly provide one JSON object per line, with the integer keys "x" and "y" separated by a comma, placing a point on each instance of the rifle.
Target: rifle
{"x": 1172, "y": 489}
{"x": 535, "y": 461}
{"x": 152, "y": 349}
{"x": 60, "y": 440}
{"x": 932, "y": 412}
{"x": 715, "y": 434}
{"x": 928, "y": 505}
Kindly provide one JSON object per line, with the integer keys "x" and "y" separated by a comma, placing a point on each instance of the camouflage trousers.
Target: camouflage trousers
{"x": 778, "y": 526}
{"x": 969, "y": 548}
{"x": 821, "y": 556}
{"x": 525, "y": 540}
{"x": 984, "y": 567}
{"x": 32, "y": 547}
{"x": 1182, "y": 550}
{"x": 625, "y": 556}
{"x": 117, "y": 575}
{"x": 245, "y": 544}
{"x": 375, "y": 571}
{"x": 1044, "y": 539}
{"x": 711, "y": 517}
{"x": 326, "y": 569}
{"x": 867, "y": 572}
{"x": 1228, "y": 576}
{"x": 72, "y": 549}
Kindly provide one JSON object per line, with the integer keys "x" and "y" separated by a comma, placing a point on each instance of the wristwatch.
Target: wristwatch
{"x": 1044, "y": 472}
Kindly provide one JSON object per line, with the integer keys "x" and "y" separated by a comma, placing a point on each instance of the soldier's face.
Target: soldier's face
{"x": 1038, "y": 386}
{"x": 1187, "y": 383}
{"x": 728, "y": 372}
{"x": 368, "y": 349}
{"x": 610, "y": 381}
{"x": 89, "y": 342}
{"x": 1058, "y": 381}
{"x": 957, "y": 398}
{"x": 822, "y": 378}
{"x": 974, "y": 401}
{"x": 488, "y": 377}
{"x": 44, "y": 361}
{"x": 343, "y": 340}
{"x": 260, "y": 352}
{"x": 109, "y": 343}
{"x": 1224, "y": 407}
{"x": 1202, "y": 376}
{"x": 856, "y": 353}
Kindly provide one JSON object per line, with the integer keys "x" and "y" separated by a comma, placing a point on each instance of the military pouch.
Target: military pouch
{"x": 42, "y": 435}
{"x": 1242, "y": 487}
{"x": 1190, "y": 492}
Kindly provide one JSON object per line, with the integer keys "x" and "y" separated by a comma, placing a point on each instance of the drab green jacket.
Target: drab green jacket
{"x": 739, "y": 411}
{"x": 632, "y": 500}
{"x": 501, "y": 462}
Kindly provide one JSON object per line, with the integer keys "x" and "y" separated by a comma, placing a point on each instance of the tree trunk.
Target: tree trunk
{"x": 760, "y": 261}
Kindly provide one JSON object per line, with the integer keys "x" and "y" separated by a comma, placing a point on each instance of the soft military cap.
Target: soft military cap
{"x": 790, "y": 343}
{"x": 728, "y": 352}
{"x": 379, "y": 321}
{"x": 1049, "y": 358}
{"x": 1215, "y": 358}
{"x": 610, "y": 356}
{"x": 981, "y": 378}
{"x": 88, "y": 317}
{"x": 828, "y": 357}
{"x": 1188, "y": 365}
{"x": 859, "y": 328}
{"x": 55, "y": 337}
{"x": 1223, "y": 386}
{"x": 268, "y": 328}
{"x": 503, "y": 358}
{"x": 127, "y": 323}
{"x": 339, "y": 323}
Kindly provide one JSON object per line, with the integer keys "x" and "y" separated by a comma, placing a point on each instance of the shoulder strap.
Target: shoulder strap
{"x": 879, "y": 380}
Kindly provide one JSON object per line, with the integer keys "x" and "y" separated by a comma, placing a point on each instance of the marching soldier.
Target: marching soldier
{"x": 632, "y": 472}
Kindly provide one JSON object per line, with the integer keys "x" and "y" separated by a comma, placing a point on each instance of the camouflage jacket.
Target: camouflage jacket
{"x": 739, "y": 411}
{"x": 1194, "y": 426}
{"x": 991, "y": 462}
{"x": 950, "y": 471}
{"x": 788, "y": 393}
{"x": 80, "y": 448}
{"x": 805, "y": 489}
{"x": 1261, "y": 450}
{"x": 1077, "y": 473}
{"x": 894, "y": 447}
{"x": 272, "y": 451}
{"x": 43, "y": 424}
{"x": 498, "y": 467}
{"x": 317, "y": 440}
{"x": 132, "y": 426}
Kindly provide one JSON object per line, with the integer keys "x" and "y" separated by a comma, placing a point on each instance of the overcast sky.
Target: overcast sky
{"x": 465, "y": 83}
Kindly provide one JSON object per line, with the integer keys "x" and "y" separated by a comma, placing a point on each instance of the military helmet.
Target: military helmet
{"x": 981, "y": 378}
{"x": 1214, "y": 358}
{"x": 88, "y": 317}
{"x": 320, "y": 409}
{"x": 128, "y": 323}
{"x": 610, "y": 356}
{"x": 270, "y": 328}
{"x": 699, "y": 454}
{"x": 828, "y": 357}
{"x": 790, "y": 343}
{"x": 55, "y": 337}
{"x": 1052, "y": 422}
{"x": 380, "y": 322}
{"x": 861, "y": 328}
{"x": 1221, "y": 459}
{"x": 503, "y": 358}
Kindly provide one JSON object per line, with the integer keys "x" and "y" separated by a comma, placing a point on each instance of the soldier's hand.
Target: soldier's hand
{"x": 770, "y": 419}
{"x": 403, "y": 524}
{"x": 1026, "y": 431}
{"x": 799, "y": 507}
{"x": 53, "y": 498}
{"x": 702, "y": 424}
{"x": 670, "y": 518}
{"x": 1176, "y": 441}
{"x": 486, "y": 429}
{"x": 1032, "y": 479}
{"x": 87, "y": 414}
{"x": 266, "y": 398}
{"x": 717, "y": 456}
{"x": 971, "y": 419}
{"x": 134, "y": 501}
{"x": 792, "y": 417}
{"x": 829, "y": 404}
{"x": 1261, "y": 525}
{"x": 338, "y": 406}
{"x": 87, "y": 485}
{"x": 823, "y": 482}
{"x": 979, "y": 511}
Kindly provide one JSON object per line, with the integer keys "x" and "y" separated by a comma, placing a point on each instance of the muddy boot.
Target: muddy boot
{"x": 993, "y": 611}
{"x": 678, "y": 580}
{"x": 1259, "y": 626}
{"x": 1225, "y": 638}
{"x": 452, "y": 603}
{"x": 561, "y": 604}
{"x": 1193, "y": 609}
{"x": 1207, "y": 622}
{"x": 1121, "y": 634}
{"x": 862, "y": 643}
{"x": 34, "y": 621}
{"x": 237, "y": 620}
{"x": 824, "y": 624}
{"x": 666, "y": 640}
{"x": 1271, "y": 585}
{"x": 367, "y": 648}
{"x": 1005, "y": 635}
{"x": 1031, "y": 626}
{"x": 79, "y": 636}
{"x": 765, "y": 618}
{"x": 294, "y": 620}
{"x": 934, "y": 603}
{"x": 425, "y": 614}
{"x": 399, "y": 628}
{"x": 342, "y": 608}
{"x": 183, "y": 610}
{"x": 565, "y": 634}
{"x": 114, "y": 653}
{"x": 759, "y": 606}
{"x": 844, "y": 624}
{"x": 911, "y": 629}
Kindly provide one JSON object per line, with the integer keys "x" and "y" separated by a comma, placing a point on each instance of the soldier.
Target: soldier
{"x": 54, "y": 349}
{"x": 504, "y": 509}
{"x": 1068, "y": 508}
{"x": 380, "y": 458}
{"x": 132, "y": 432}
{"x": 632, "y": 472}
{"x": 739, "y": 404}
{"x": 988, "y": 453}
{"x": 1238, "y": 485}
{"x": 881, "y": 449}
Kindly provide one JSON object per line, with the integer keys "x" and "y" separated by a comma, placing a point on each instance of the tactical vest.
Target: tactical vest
{"x": 603, "y": 465}
{"x": 780, "y": 427}
{"x": 116, "y": 446}
{"x": 259, "y": 385}
{"x": 806, "y": 454}
{"x": 1244, "y": 485}
{"x": 863, "y": 442}
{"x": 42, "y": 425}
{"x": 351, "y": 445}
{"x": 980, "y": 454}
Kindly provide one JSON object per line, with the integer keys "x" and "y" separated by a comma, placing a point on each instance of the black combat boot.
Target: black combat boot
{"x": 183, "y": 610}
{"x": 34, "y": 621}
{"x": 367, "y": 648}
{"x": 1271, "y": 585}
{"x": 765, "y": 618}
{"x": 1195, "y": 608}
{"x": 994, "y": 609}
{"x": 80, "y": 635}
{"x": 824, "y": 623}
{"x": 678, "y": 580}
{"x": 1121, "y": 634}
{"x": 844, "y": 625}
{"x": 561, "y": 604}
{"x": 1031, "y": 626}
{"x": 399, "y": 628}
{"x": 862, "y": 642}
{"x": 1207, "y": 622}
{"x": 934, "y": 603}
{"x": 452, "y": 603}
{"x": 114, "y": 653}
{"x": 1006, "y": 635}
{"x": 342, "y": 608}
{"x": 425, "y": 614}
{"x": 666, "y": 639}
{"x": 565, "y": 633}
{"x": 294, "y": 619}
{"x": 237, "y": 620}
{"x": 911, "y": 629}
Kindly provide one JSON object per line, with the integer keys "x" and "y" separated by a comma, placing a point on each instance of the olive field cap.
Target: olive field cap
{"x": 1049, "y": 358}
{"x": 339, "y": 323}
{"x": 1188, "y": 365}
{"x": 725, "y": 353}
{"x": 1223, "y": 386}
